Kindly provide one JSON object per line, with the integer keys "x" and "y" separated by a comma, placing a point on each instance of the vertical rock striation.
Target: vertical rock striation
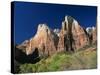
{"x": 70, "y": 37}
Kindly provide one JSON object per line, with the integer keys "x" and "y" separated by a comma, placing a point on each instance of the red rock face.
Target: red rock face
{"x": 70, "y": 38}
{"x": 61, "y": 43}
{"x": 80, "y": 38}
{"x": 72, "y": 35}
{"x": 94, "y": 35}
{"x": 43, "y": 41}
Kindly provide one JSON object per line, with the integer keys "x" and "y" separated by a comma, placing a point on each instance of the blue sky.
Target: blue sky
{"x": 28, "y": 15}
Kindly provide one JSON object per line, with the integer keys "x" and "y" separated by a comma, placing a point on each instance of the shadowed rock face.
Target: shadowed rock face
{"x": 69, "y": 38}
{"x": 21, "y": 57}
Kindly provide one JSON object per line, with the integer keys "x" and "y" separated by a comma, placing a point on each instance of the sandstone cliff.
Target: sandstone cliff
{"x": 45, "y": 41}
{"x": 70, "y": 37}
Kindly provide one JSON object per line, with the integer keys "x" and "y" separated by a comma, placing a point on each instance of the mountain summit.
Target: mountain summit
{"x": 72, "y": 36}
{"x": 45, "y": 41}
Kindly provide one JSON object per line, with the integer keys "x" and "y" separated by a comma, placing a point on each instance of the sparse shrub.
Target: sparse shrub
{"x": 83, "y": 59}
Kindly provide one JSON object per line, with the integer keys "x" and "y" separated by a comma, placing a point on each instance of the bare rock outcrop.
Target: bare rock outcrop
{"x": 92, "y": 34}
{"x": 72, "y": 35}
{"x": 45, "y": 41}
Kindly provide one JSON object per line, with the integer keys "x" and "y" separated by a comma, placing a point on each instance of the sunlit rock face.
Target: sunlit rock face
{"x": 72, "y": 35}
{"x": 92, "y": 34}
{"x": 56, "y": 31}
{"x": 44, "y": 40}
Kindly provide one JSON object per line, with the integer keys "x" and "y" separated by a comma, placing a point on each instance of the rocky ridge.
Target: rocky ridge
{"x": 70, "y": 37}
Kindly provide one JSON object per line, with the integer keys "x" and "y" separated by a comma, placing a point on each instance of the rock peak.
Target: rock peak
{"x": 69, "y": 38}
{"x": 42, "y": 27}
{"x": 68, "y": 18}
